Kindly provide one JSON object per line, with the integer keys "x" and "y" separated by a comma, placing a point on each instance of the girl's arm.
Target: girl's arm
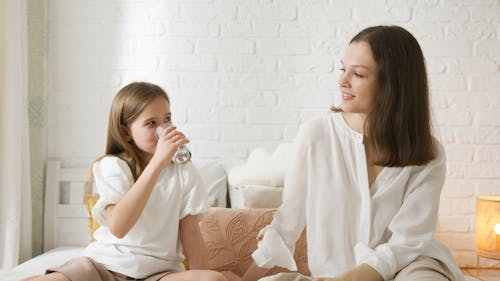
{"x": 192, "y": 242}
{"x": 122, "y": 216}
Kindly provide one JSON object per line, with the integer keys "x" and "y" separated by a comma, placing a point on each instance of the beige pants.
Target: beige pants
{"x": 85, "y": 269}
{"x": 422, "y": 269}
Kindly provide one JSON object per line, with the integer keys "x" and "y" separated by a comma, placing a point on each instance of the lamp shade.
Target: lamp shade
{"x": 488, "y": 226}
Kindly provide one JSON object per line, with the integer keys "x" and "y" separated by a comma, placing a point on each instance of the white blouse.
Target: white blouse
{"x": 152, "y": 245}
{"x": 349, "y": 223}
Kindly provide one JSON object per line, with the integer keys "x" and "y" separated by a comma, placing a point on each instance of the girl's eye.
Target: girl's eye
{"x": 167, "y": 119}
{"x": 342, "y": 69}
{"x": 358, "y": 75}
{"x": 151, "y": 123}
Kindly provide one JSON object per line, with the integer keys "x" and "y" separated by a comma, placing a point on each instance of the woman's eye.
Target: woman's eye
{"x": 342, "y": 69}
{"x": 358, "y": 75}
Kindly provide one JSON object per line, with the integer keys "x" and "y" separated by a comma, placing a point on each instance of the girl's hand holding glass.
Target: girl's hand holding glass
{"x": 182, "y": 155}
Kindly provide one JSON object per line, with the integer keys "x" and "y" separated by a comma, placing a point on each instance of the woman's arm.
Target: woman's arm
{"x": 412, "y": 227}
{"x": 362, "y": 272}
{"x": 192, "y": 242}
{"x": 277, "y": 241}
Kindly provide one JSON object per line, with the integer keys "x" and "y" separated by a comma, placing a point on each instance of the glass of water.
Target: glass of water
{"x": 182, "y": 155}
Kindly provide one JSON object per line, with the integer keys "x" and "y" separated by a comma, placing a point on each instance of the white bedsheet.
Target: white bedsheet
{"x": 38, "y": 264}
{"x": 55, "y": 257}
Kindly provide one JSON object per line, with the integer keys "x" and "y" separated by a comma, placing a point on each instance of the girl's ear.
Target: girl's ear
{"x": 126, "y": 133}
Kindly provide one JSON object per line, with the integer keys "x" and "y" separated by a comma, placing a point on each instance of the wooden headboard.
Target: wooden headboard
{"x": 66, "y": 220}
{"x": 65, "y": 217}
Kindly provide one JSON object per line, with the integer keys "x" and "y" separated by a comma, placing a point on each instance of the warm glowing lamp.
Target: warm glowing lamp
{"x": 488, "y": 227}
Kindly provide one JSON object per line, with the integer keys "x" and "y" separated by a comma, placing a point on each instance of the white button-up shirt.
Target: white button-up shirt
{"x": 386, "y": 225}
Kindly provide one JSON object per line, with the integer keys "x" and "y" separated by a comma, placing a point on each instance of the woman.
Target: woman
{"x": 366, "y": 180}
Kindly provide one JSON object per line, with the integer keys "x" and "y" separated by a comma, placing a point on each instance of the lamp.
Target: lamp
{"x": 488, "y": 227}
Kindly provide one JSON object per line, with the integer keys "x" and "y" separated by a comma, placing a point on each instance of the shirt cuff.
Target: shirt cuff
{"x": 200, "y": 211}
{"x": 99, "y": 209}
{"x": 381, "y": 259}
{"x": 272, "y": 251}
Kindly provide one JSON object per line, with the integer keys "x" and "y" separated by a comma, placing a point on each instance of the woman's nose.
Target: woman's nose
{"x": 343, "y": 82}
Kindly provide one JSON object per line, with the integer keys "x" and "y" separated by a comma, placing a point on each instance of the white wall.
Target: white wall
{"x": 246, "y": 73}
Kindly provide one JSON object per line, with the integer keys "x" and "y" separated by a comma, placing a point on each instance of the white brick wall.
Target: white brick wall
{"x": 246, "y": 73}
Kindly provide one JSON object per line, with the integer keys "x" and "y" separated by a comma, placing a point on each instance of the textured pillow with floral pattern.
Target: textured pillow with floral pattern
{"x": 230, "y": 235}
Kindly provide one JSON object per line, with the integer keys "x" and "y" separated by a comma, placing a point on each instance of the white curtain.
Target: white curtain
{"x": 15, "y": 195}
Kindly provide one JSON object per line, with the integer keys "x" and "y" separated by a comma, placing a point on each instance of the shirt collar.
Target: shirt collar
{"x": 339, "y": 119}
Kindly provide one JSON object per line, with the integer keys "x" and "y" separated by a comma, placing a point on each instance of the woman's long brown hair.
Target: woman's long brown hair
{"x": 399, "y": 125}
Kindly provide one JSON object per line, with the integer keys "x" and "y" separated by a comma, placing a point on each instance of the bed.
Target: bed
{"x": 66, "y": 219}
{"x": 66, "y": 223}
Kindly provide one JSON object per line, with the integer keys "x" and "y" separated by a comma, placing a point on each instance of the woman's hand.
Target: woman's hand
{"x": 168, "y": 143}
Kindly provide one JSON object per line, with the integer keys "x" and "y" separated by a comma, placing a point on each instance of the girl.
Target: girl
{"x": 147, "y": 205}
{"x": 366, "y": 180}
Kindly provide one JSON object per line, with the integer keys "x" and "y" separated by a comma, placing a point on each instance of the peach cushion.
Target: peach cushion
{"x": 230, "y": 236}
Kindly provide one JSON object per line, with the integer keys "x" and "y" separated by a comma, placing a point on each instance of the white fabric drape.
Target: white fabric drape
{"x": 15, "y": 195}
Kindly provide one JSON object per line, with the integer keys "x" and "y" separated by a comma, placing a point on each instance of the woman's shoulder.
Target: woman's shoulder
{"x": 316, "y": 123}
{"x": 439, "y": 152}
{"x": 437, "y": 163}
{"x": 318, "y": 126}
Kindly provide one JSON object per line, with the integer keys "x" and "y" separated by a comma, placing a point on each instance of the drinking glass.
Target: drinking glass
{"x": 182, "y": 155}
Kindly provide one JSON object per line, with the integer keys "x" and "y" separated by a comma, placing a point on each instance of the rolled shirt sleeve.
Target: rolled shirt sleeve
{"x": 112, "y": 179}
{"x": 272, "y": 251}
{"x": 413, "y": 226}
{"x": 277, "y": 243}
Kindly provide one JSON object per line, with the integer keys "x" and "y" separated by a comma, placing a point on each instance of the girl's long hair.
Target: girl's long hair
{"x": 126, "y": 106}
{"x": 399, "y": 125}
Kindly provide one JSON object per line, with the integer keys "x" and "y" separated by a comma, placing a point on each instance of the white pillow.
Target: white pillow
{"x": 262, "y": 168}
{"x": 255, "y": 196}
{"x": 215, "y": 178}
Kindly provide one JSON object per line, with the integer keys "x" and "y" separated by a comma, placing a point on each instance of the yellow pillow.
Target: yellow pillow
{"x": 89, "y": 200}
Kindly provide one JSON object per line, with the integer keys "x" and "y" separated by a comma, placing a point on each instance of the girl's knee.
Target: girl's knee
{"x": 196, "y": 275}
{"x": 54, "y": 276}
